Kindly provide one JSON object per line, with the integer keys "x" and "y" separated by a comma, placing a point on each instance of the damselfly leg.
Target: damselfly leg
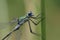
{"x": 31, "y": 29}
{"x": 37, "y": 22}
{"x": 37, "y": 17}
{"x": 29, "y": 26}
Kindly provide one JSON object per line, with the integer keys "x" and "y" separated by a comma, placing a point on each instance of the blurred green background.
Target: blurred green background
{"x": 17, "y": 8}
{"x": 52, "y": 19}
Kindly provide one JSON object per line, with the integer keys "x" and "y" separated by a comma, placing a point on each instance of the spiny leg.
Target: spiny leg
{"x": 31, "y": 29}
{"x": 36, "y": 17}
{"x": 29, "y": 26}
{"x": 38, "y": 21}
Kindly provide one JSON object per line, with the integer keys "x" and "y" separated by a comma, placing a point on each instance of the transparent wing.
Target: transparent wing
{"x": 4, "y": 25}
{"x": 14, "y": 20}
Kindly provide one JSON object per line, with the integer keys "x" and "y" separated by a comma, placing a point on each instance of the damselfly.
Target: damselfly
{"x": 24, "y": 19}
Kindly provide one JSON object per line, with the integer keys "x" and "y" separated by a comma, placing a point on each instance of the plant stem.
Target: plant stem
{"x": 43, "y": 23}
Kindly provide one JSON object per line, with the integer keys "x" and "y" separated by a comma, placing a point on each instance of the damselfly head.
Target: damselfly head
{"x": 30, "y": 14}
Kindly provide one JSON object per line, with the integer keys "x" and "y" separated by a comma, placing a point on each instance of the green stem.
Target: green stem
{"x": 43, "y": 23}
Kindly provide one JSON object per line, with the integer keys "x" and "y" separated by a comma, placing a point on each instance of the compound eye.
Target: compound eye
{"x": 30, "y": 14}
